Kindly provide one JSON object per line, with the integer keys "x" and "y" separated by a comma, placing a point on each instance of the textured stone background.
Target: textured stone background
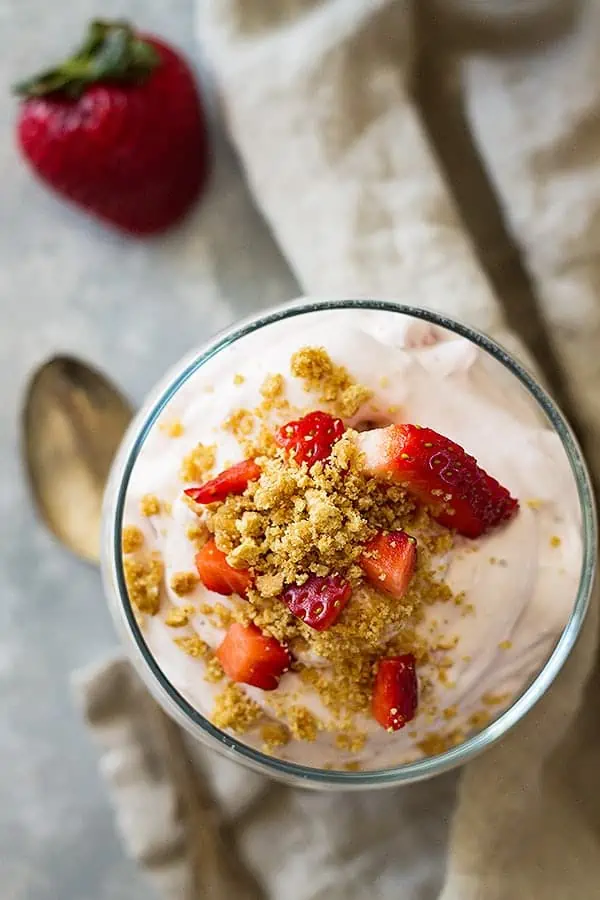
{"x": 132, "y": 309}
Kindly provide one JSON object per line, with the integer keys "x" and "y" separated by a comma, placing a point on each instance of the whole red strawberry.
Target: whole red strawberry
{"x": 118, "y": 129}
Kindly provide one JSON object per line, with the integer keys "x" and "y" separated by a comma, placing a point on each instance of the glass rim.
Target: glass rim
{"x": 233, "y": 747}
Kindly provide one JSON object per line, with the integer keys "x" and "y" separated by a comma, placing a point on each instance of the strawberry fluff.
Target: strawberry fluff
{"x": 445, "y": 421}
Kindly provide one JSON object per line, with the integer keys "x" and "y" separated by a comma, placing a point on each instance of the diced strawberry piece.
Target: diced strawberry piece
{"x": 234, "y": 480}
{"x": 217, "y": 575}
{"x": 311, "y": 438}
{"x": 396, "y": 692}
{"x": 441, "y": 474}
{"x": 319, "y": 601}
{"x": 389, "y": 561}
{"x": 250, "y": 657}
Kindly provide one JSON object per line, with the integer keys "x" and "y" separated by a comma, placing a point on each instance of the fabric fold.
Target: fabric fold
{"x": 320, "y": 109}
{"x": 536, "y": 117}
{"x": 167, "y": 815}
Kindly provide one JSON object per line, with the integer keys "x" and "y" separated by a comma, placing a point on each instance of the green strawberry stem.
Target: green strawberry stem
{"x": 111, "y": 52}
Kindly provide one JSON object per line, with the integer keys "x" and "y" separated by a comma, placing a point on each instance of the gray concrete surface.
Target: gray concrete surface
{"x": 132, "y": 309}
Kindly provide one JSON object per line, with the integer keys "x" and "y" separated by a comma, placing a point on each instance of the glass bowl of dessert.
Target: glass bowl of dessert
{"x": 349, "y": 543}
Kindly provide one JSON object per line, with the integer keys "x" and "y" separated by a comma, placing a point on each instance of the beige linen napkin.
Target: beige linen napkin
{"x": 317, "y": 94}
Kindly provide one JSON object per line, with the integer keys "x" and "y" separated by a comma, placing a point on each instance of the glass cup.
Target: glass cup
{"x": 190, "y": 718}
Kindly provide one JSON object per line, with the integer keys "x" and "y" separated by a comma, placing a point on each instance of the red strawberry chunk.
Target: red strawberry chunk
{"x": 396, "y": 692}
{"x": 234, "y": 480}
{"x": 217, "y": 575}
{"x": 311, "y": 438}
{"x": 319, "y": 601}
{"x": 441, "y": 474}
{"x": 251, "y": 657}
{"x": 389, "y": 561}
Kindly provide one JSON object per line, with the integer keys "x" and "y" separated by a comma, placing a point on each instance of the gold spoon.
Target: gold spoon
{"x": 73, "y": 422}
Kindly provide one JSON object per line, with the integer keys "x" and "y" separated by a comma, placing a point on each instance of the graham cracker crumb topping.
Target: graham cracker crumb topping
{"x": 149, "y": 505}
{"x": 198, "y": 464}
{"x": 144, "y": 578}
{"x": 302, "y": 723}
{"x": 172, "y": 429}
{"x": 273, "y": 392}
{"x": 353, "y": 743}
{"x": 331, "y": 383}
{"x": 179, "y": 616}
{"x": 198, "y": 533}
{"x": 184, "y": 582}
{"x": 194, "y": 646}
{"x": 436, "y": 743}
{"x": 293, "y": 522}
{"x": 214, "y": 671}
{"x": 234, "y": 710}
{"x": 274, "y": 735}
{"x": 132, "y": 539}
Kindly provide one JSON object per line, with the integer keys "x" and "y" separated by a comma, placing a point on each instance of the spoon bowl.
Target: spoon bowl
{"x": 73, "y": 421}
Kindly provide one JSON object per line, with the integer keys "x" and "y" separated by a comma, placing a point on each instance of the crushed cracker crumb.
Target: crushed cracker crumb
{"x": 437, "y": 742}
{"x": 234, "y": 710}
{"x": 178, "y": 616}
{"x": 173, "y": 429}
{"x": 240, "y": 423}
{"x": 490, "y": 699}
{"x": 214, "y": 671}
{"x": 198, "y": 464}
{"x": 273, "y": 389}
{"x": 132, "y": 539}
{"x": 184, "y": 582}
{"x": 194, "y": 646}
{"x": 353, "y": 743}
{"x": 332, "y": 383}
{"x": 149, "y": 505}
{"x": 274, "y": 735}
{"x": 302, "y": 723}
{"x": 198, "y": 533}
{"x": 143, "y": 578}
{"x": 479, "y": 719}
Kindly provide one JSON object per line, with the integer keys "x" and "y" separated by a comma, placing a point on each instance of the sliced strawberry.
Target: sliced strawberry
{"x": 232, "y": 481}
{"x": 217, "y": 575}
{"x": 250, "y": 657}
{"x": 311, "y": 438}
{"x": 389, "y": 561}
{"x": 396, "y": 692}
{"x": 319, "y": 601}
{"x": 440, "y": 473}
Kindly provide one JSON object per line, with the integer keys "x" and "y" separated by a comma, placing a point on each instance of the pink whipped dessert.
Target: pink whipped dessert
{"x": 351, "y": 539}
